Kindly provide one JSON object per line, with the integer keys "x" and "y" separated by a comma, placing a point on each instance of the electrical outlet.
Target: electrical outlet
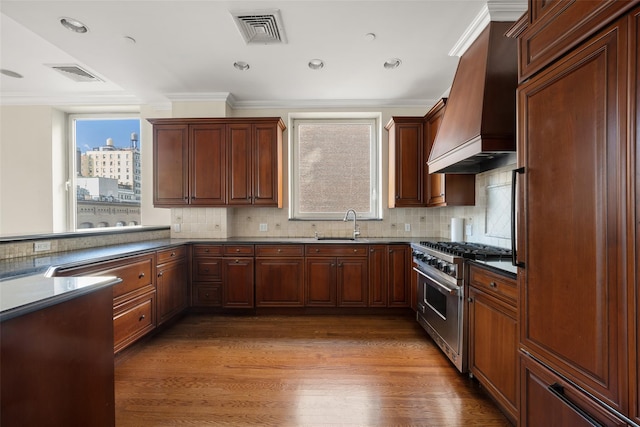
{"x": 41, "y": 246}
{"x": 263, "y": 227}
{"x": 177, "y": 228}
{"x": 469, "y": 229}
{"x": 407, "y": 227}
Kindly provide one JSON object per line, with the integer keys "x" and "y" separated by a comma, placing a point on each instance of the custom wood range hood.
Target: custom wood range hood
{"x": 478, "y": 127}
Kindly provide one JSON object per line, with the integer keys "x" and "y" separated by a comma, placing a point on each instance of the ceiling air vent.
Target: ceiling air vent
{"x": 260, "y": 27}
{"x": 75, "y": 73}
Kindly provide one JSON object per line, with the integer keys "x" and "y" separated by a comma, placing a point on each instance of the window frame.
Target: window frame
{"x": 374, "y": 119}
{"x": 72, "y": 206}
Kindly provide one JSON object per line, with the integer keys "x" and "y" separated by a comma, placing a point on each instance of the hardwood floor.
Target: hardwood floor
{"x": 296, "y": 371}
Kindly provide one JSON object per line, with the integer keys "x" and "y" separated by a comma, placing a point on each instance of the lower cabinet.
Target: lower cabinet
{"x": 550, "y": 401}
{"x": 279, "y": 275}
{"x": 172, "y": 282}
{"x": 206, "y": 275}
{"x": 134, "y": 298}
{"x": 493, "y": 337}
{"x": 336, "y": 276}
{"x": 390, "y": 276}
{"x": 237, "y": 276}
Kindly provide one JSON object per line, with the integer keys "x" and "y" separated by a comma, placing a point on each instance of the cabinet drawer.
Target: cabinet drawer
{"x": 280, "y": 250}
{"x": 207, "y": 250}
{"x": 238, "y": 250}
{"x": 494, "y": 284}
{"x": 337, "y": 250}
{"x": 207, "y": 269}
{"x": 207, "y": 295}
{"x": 172, "y": 254}
{"x": 132, "y": 320}
{"x": 134, "y": 276}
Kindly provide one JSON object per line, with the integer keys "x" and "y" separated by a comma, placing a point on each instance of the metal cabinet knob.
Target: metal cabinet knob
{"x": 140, "y": 276}
{"x": 493, "y": 285}
{"x": 141, "y": 318}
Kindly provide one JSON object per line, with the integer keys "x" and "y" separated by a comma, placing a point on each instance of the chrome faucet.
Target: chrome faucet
{"x": 356, "y": 228}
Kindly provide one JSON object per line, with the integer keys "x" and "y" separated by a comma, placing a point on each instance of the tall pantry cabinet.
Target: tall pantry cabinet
{"x": 577, "y": 234}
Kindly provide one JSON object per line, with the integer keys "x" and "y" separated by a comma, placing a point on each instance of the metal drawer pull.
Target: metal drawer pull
{"x": 140, "y": 276}
{"x": 141, "y": 318}
{"x": 558, "y": 391}
{"x": 493, "y": 285}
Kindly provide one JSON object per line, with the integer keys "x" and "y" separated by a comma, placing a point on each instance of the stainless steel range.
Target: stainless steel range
{"x": 440, "y": 272}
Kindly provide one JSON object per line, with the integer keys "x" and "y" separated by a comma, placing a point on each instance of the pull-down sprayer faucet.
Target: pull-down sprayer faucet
{"x": 356, "y": 229}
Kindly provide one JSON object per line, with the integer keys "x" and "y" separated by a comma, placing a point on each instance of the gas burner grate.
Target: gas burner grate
{"x": 476, "y": 251}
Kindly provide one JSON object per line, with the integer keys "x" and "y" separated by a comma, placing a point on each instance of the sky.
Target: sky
{"x": 91, "y": 133}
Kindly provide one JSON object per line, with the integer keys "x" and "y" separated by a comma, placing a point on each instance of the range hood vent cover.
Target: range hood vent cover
{"x": 75, "y": 73}
{"x": 260, "y": 27}
{"x": 478, "y": 130}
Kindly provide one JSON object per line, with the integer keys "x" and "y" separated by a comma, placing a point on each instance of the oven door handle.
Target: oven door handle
{"x": 444, "y": 288}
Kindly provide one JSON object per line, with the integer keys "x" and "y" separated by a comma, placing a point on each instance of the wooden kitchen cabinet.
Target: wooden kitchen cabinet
{"x": 57, "y": 364}
{"x": 574, "y": 218}
{"x": 217, "y": 161}
{"x": 493, "y": 337}
{"x": 398, "y": 270}
{"x": 548, "y": 400}
{"x": 557, "y": 26}
{"x": 189, "y": 165}
{"x": 378, "y": 279}
{"x": 444, "y": 189}
{"x": 406, "y": 162}
{"x": 279, "y": 276}
{"x": 172, "y": 283}
{"x": 255, "y": 163}
{"x": 336, "y": 276}
{"x": 206, "y": 275}
{"x": 634, "y": 301}
{"x": 134, "y": 298}
{"x": 237, "y": 276}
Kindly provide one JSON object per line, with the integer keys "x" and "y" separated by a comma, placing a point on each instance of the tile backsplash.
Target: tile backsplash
{"x": 489, "y": 219}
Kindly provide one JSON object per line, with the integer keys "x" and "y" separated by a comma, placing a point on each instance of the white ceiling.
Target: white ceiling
{"x": 185, "y": 50}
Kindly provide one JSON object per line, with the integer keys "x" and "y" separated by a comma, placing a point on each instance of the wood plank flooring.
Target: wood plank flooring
{"x": 296, "y": 371}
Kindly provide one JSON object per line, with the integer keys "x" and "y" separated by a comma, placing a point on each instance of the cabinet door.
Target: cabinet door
{"x": 399, "y": 260}
{"x": 172, "y": 289}
{"x": 634, "y": 303}
{"x": 378, "y": 283}
{"x": 237, "y": 282}
{"x": 320, "y": 282}
{"x": 267, "y": 168}
{"x": 493, "y": 354}
{"x": 409, "y": 165}
{"x": 434, "y": 181}
{"x": 279, "y": 282}
{"x": 352, "y": 282}
{"x": 571, "y": 228}
{"x": 170, "y": 165}
{"x": 208, "y": 166}
{"x": 547, "y": 400}
{"x": 240, "y": 162}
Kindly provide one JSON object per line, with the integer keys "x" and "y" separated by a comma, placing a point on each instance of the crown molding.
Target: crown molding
{"x": 90, "y": 99}
{"x": 494, "y": 10}
{"x": 332, "y": 103}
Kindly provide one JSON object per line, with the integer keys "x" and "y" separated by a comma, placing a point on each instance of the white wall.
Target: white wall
{"x": 26, "y": 169}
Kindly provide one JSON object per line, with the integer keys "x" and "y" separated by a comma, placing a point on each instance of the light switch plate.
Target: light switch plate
{"x": 263, "y": 227}
{"x": 41, "y": 246}
{"x": 407, "y": 227}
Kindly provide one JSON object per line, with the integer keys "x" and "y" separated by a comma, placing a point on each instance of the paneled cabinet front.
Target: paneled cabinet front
{"x": 217, "y": 162}
{"x": 279, "y": 275}
{"x": 336, "y": 276}
{"x": 206, "y": 275}
{"x": 172, "y": 283}
{"x": 134, "y": 298}
{"x": 237, "y": 276}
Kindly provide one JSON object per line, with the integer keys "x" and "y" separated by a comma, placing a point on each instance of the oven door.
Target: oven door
{"x": 439, "y": 306}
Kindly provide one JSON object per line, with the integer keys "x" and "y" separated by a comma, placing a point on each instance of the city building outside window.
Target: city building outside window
{"x": 100, "y": 196}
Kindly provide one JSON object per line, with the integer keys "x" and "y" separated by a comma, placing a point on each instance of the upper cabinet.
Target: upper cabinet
{"x": 449, "y": 189}
{"x": 410, "y": 184}
{"x": 217, "y": 162}
{"x": 554, "y": 27}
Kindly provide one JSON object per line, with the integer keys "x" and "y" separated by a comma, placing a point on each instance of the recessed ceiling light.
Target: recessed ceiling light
{"x": 74, "y": 25}
{"x": 241, "y": 65}
{"x": 316, "y": 64}
{"x": 10, "y": 73}
{"x": 369, "y": 37}
{"x": 392, "y": 63}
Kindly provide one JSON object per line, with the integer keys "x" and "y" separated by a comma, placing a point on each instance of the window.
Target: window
{"x": 334, "y": 166}
{"x": 99, "y": 194}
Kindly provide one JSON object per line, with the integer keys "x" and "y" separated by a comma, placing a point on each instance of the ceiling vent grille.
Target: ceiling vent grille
{"x": 260, "y": 27}
{"x": 75, "y": 73}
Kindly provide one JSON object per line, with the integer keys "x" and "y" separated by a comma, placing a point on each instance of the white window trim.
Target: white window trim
{"x": 72, "y": 207}
{"x": 375, "y": 157}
